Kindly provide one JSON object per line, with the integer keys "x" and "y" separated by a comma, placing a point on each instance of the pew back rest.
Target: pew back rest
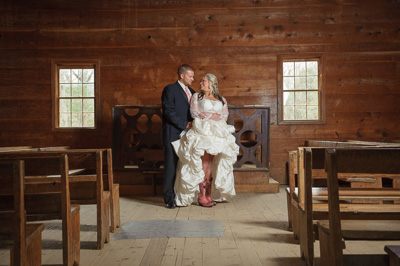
{"x": 48, "y": 197}
{"x": 314, "y": 168}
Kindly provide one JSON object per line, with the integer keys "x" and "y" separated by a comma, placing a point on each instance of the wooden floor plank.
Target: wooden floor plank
{"x": 155, "y": 252}
{"x": 193, "y": 252}
{"x": 211, "y": 252}
{"x": 174, "y": 252}
{"x": 136, "y": 254}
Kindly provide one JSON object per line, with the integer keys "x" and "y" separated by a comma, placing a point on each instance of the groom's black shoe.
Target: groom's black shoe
{"x": 171, "y": 205}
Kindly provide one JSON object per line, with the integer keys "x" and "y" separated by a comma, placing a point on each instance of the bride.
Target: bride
{"x": 207, "y": 151}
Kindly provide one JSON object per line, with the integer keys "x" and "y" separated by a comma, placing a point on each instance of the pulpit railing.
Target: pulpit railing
{"x": 137, "y": 137}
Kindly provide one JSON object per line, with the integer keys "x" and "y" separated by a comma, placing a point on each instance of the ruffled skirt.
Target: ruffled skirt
{"x": 215, "y": 138}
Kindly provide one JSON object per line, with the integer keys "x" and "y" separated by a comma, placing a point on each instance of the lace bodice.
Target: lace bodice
{"x": 204, "y": 108}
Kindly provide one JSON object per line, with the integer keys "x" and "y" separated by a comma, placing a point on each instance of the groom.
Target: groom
{"x": 176, "y": 118}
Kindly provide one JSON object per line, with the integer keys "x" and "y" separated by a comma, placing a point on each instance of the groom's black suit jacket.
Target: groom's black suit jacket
{"x": 176, "y": 112}
{"x": 176, "y": 115}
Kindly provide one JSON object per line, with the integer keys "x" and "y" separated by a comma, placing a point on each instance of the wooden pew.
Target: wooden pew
{"x": 296, "y": 172}
{"x": 77, "y": 192}
{"x": 49, "y": 198}
{"x": 311, "y": 203}
{"x": 87, "y": 187}
{"x": 333, "y": 231}
{"x": 24, "y": 240}
{"x": 293, "y": 171}
{"x": 103, "y": 191}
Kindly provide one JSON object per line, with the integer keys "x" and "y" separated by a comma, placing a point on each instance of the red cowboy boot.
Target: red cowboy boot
{"x": 203, "y": 201}
{"x": 208, "y": 192}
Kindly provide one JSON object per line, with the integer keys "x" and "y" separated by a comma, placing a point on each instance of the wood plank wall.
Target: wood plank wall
{"x": 141, "y": 43}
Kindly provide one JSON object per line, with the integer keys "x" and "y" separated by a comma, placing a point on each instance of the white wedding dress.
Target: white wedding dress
{"x": 214, "y": 137}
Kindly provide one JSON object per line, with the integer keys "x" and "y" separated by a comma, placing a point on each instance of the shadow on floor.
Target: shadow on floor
{"x": 57, "y": 244}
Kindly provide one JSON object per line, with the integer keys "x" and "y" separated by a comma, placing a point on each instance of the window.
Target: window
{"x": 76, "y": 101}
{"x": 300, "y": 98}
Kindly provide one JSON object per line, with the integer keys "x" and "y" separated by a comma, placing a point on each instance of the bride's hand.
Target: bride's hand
{"x": 202, "y": 115}
{"x": 215, "y": 117}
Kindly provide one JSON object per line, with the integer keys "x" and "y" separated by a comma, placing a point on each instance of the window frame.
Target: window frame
{"x": 321, "y": 88}
{"x": 59, "y": 64}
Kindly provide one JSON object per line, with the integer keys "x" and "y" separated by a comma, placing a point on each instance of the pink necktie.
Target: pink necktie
{"x": 187, "y": 93}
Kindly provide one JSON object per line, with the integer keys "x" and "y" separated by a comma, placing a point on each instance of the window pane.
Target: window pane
{"x": 88, "y": 76}
{"x": 312, "y": 112}
{"x": 312, "y": 82}
{"x": 288, "y": 112}
{"x": 76, "y": 97}
{"x": 300, "y": 90}
{"x": 300, "y": 113}
{"x": 65, "y": 105}
{"x": 288, "y": 98}
{"x": 76, "y": 105}
{"x": 65, "y": 119}
{"x": 312, "y": 98}
{"x": 300, "y": 68}
{"x": 288, "y": 69}
{"x": 312, "y": 68}
{"x": 288, "y": 83}
{"x": 76, "y": 75}
{"x": 88, "y": 90}
{"x": 300, "y": 83}
{"x": 65, "y": 90}
{"x": 76, "y": 119}
{"x": 76, "y": 90}
{"x": 65, "y": 76}
{"x": 88, "y": 105}
{"x": 88, "y": 119}
{"x": 300, "y": 98}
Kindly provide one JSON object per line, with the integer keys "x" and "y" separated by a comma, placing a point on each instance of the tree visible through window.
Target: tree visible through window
{"x": 300, "y": 90}
{"x": 76, "y": 98}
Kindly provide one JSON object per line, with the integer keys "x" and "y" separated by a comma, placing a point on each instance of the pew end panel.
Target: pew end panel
{"x": 24, "y": 240}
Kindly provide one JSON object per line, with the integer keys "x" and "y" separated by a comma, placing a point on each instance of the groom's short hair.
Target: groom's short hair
{"x": 182, "y": 69}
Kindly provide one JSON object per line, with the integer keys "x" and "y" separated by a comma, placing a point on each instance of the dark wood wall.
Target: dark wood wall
{"x": 141, "y": 43}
